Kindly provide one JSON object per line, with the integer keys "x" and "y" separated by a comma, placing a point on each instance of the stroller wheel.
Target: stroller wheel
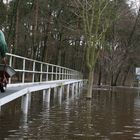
{"x": 2, "y": 88}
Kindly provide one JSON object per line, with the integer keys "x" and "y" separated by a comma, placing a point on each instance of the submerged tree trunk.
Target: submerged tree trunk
{"x": 90, "y": 84}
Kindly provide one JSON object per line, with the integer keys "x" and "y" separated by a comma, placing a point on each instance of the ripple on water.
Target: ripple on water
{"x": 83, "y": 135}
{"x": 116, "y": 133}
{"x": 11, "y": 131}
{"x": 136, "y": 138}
{"x": 132, "y": 127}
{"x": 137, "y": 134}
{"x": 79, "y": 119}
{"x": 137, "y": 119}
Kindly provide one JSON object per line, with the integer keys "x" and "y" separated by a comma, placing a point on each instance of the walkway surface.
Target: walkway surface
{"x": 15, "y": 91}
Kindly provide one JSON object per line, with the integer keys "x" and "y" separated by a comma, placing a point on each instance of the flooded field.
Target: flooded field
{"x": 110, "y": 115}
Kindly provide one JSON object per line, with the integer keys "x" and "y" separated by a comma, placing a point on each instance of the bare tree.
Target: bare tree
{"x": 96, "y": 20}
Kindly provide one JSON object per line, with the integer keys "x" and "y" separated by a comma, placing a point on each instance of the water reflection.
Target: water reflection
{"x": 110, "y": 115}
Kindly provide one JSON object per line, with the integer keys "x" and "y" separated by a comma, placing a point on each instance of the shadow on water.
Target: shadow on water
{"x": 110, "y": 115}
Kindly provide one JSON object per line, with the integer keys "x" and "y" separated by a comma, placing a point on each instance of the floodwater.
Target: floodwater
{"x": 110, "y": 115}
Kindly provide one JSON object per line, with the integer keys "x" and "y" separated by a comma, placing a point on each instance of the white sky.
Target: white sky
{"x": 6, "y": 0}
{"x": 135, "y": 3}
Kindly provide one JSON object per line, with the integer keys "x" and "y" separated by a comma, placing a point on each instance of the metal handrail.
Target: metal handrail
{"x": 29, "y": 70}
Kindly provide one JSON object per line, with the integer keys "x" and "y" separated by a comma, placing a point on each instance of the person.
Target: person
{"x": 3, "y": 47}
{"x": 3, "y": 51}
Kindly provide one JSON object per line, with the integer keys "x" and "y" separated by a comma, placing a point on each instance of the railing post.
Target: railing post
{"x": 52, "y": 74}
{"x": 62, "y": 73}
{"x": 55, "y": 91}
{"x": 47, "y": 95}
{"x": 59, "y": 73}
{"x": 76, "y": 88}
{"x": 23, "y": 74}
{"x": 10, "y": 64}
{"x": 71, "y": 74}
{"x": 73, "y": 89}
{"x": 33, "y": 75}
{"x": 25, "y": 103}
{"x": 41, "y": 73}
{"x": 68, "y": 90}
{"x": 47, "y": 72}
{"x": 56, "y": 73}
{"x": 67, "y": 74}
{"x": 60, "y": 94}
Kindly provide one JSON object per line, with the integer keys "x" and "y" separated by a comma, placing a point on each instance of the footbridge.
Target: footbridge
{"x": 32, "y": 75}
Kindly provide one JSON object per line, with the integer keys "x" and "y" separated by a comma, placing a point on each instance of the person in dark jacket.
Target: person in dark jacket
{"x": 3, "y": 46}
{"x": 3, "y": 51}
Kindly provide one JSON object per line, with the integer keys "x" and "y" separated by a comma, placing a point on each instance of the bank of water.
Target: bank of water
{"x": 110, "y": 115}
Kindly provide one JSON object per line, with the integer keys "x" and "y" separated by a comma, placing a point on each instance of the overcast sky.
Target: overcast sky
{"x": 136, "y": 3}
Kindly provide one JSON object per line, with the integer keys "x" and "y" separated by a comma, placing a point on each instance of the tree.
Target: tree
{"x": 121, "y": 44}
{"x": 96, "y": 20}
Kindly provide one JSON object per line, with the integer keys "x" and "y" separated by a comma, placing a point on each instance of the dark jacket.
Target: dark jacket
{"x": 3, "y": 45}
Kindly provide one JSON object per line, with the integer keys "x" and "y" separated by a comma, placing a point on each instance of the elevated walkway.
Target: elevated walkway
{"x": 18, "y": 90}
{"x": 32, "y": 75}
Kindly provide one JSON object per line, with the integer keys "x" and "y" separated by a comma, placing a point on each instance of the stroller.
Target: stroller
{"x": 5, "y": 73}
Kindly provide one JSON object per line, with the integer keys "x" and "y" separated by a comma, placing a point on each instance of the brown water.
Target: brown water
{"x": 109, "y": 116}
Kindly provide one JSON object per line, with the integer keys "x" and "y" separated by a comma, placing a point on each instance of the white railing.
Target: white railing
{"x": 29, "y": 70}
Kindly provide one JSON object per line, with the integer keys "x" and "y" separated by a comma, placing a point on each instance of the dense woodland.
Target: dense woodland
{"x": 52, "y": 31}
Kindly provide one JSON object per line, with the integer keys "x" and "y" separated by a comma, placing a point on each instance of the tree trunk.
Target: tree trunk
{"x": 125, "y": 76}
{"x": 59, "y": 57}
{"x": 17, "y": 27}
{"x": 35, "y": 28}
{"x": 90, "y": 84}
{"x": 45, "y": 48}
{"x": 100, "y": 75}
{"x": 116, "y": 78}
{"x": 112, "y": 77}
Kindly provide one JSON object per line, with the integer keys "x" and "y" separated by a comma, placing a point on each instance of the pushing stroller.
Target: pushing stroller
{"x": 5, "y": 73}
